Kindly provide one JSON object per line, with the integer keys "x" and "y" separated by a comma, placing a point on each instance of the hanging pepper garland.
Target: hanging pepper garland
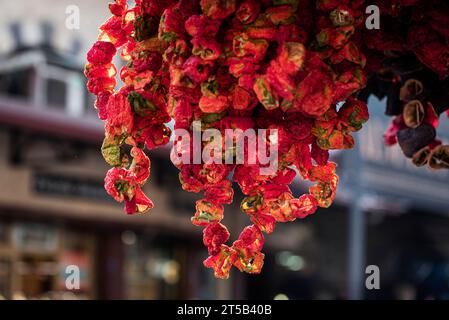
{"x": 409, "y": 59}
{"x": 301, "y": 67}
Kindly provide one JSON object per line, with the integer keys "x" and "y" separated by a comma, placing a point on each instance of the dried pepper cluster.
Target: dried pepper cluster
{"x": 409, "y": 61}
{"x": 295, "y": 66}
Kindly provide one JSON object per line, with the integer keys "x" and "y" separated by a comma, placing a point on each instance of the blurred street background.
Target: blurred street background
{"x": 54, "y": 211}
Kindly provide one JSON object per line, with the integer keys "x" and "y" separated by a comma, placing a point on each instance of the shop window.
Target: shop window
{"x": 36, "y": 274}
{"x": 41, "y": 255}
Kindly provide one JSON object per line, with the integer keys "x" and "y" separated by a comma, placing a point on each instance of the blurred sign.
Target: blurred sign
{"x": 385, "y": 171}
